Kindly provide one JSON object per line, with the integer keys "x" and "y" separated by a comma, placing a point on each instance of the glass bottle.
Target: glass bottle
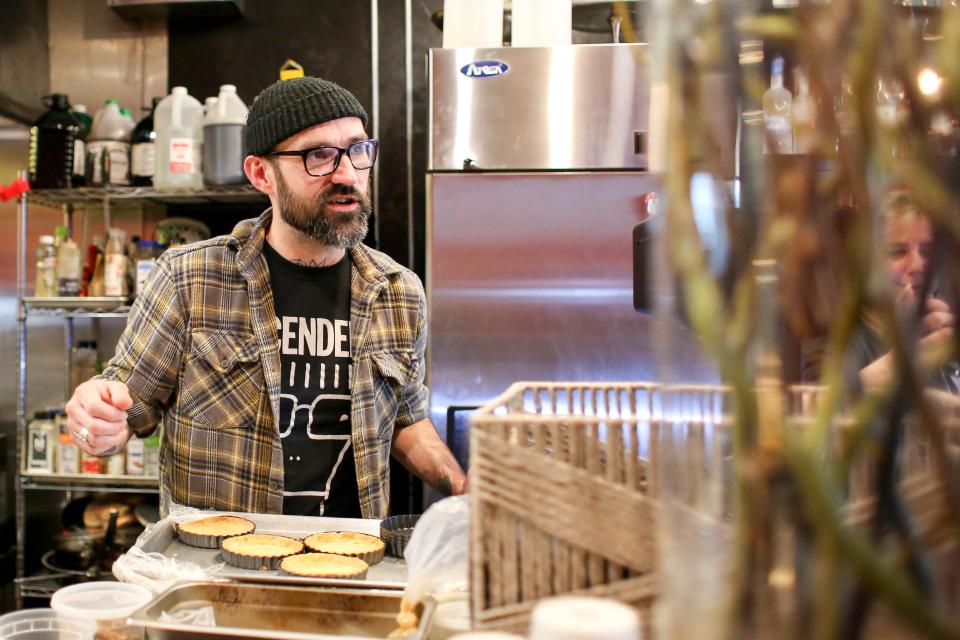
{"x": 115, "y": 264}
{"x": 143, "y": 152}
{"x": 69, "y": 269}
{"x": 135, "y": 450}
{"x": 41, "y": 442}
{"x": 68, "y": 453}
{"x": 777, "y": 116}
{"x": 80, "y": 145}
{"x": 804, "y": 116}
{"x": 46, "y": 268}
{"x": 83, "y": 362}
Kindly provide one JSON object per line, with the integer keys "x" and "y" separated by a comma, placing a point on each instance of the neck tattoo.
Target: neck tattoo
{"x": 314, "y": 263}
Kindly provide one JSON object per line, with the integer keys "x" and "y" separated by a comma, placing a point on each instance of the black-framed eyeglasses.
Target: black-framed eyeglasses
{"x": 322, "y": 161}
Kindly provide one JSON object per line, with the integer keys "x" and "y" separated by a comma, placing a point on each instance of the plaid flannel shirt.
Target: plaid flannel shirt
{"x": 200, "y": 352}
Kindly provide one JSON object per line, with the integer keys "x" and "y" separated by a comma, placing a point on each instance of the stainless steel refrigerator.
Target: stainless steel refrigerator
{"x": 537, "y": 207}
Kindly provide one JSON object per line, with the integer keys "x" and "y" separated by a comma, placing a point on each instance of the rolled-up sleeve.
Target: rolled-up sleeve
{"x": 149, "y": 353}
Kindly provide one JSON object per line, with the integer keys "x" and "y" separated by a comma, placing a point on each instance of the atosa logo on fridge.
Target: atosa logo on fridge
{"x": 484, "y": 69}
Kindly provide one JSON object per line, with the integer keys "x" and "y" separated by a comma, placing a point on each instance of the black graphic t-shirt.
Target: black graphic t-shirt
{"x": 312, "y": 305}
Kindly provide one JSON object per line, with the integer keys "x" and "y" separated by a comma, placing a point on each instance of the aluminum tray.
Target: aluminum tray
{"x": 391, "y": 573}
{"x": 276, "y": 612}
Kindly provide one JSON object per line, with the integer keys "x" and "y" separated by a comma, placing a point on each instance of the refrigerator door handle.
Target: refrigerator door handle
{"x": 642, "y": 256}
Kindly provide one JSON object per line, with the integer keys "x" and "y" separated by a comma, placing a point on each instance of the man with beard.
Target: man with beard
{"x": 286, "y": 359}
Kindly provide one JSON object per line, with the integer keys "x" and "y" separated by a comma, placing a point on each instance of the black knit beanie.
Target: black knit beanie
{"x": 290, "y": 106}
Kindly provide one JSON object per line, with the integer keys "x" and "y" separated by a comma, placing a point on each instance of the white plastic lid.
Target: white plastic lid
{"x": 100, "y": 600}
{"x": 579, "y": 618}
{"x": 230, "y": 88}
{"x": 47, "y": 239}
{"x": 178, "y": 91}
{"x": 80, "y": 108}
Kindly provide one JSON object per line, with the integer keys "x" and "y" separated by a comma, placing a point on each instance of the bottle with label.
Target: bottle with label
{"x": 46, "y": 268}
{"x": 777, "y": 113}
{"x": 52, "y": 138}
{"x": 804, "y": 116}
{"x": 69, "y": 269}
{"x": 223, "y": 128}
{"x": 83, "y": 362}
{"x": 146, "y": 258}
{"x": 68, "y": 453}
{"x": 143, "y": 150}
{"x": 151, "y": 454}
{"x": 117, "y": 464}
{"x": 108, "y": 148}
{"x": 80, "y": 145}
{"x": 41, "y": 442}
{"x": 179, "y": 124}
{"x": 135, "y": 449}
{"x": 115, "y": 264}
{"x": 91, "y": 464}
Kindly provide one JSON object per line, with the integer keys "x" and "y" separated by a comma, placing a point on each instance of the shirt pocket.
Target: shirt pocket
{"x": 392, "y": 372}
{"x": 223, "y": 380}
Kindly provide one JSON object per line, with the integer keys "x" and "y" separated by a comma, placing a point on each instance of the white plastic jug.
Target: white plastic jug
{"x": 472, "y": 23}
{"x": 108, "y": 147}
{"x": 223, "y": 127}
{"x": 541, "y": 23}
{"x": 178, "y": 122}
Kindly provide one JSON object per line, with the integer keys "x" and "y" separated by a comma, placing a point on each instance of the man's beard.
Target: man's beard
{"x": 311, "y": 217}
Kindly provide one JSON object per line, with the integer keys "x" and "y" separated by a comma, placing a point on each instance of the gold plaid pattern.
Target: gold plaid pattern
{"x": 200, "y": 352}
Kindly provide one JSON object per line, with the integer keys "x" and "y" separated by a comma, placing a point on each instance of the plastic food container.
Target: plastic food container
{"x": 44, "y": 624}
{"x": 108, "y": 604}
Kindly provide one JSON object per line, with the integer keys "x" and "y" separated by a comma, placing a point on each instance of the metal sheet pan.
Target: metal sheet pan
{"x": 276, "y": 612}
{"x": 391, "y": 573}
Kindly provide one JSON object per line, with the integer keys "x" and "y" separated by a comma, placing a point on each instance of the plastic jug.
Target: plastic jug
{"x": 208, "y": 104}
{"x": 52, "y": 138}
{"x": 541, "y": 23}
{"x": 178, "y": 121}
{"x": 79, "y": 112}
{"x": 108, "y": 148}
{"x": 223, "y": 127}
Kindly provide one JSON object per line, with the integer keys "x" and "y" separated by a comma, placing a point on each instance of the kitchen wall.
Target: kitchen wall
{"x": 95, "y": 54}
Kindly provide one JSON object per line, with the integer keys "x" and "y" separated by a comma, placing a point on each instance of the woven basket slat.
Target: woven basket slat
{"x": 529, "y": 488}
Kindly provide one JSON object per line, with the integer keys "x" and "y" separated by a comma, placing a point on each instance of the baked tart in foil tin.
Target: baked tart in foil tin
{"x": 368, "y": 548}
{"x": 258, "y": 551}
{"x": 209, "y": 532}
{"x": 324, "y": 565}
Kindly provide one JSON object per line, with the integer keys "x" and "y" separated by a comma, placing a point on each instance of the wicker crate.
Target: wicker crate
{"x": 563, "y": 494}
{"x": 564, "y": 498}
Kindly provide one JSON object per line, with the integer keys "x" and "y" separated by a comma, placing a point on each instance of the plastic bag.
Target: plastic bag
{"x": 154, "y": 570}
{"x": 437, "y": 553}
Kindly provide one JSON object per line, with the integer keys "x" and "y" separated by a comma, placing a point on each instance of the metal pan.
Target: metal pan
{"x": 244, "y": 610}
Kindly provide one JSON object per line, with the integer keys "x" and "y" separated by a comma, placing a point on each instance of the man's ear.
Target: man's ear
{"x": 259, "y": 174}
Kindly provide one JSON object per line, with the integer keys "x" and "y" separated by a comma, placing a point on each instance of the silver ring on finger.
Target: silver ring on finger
{"x": 83, "y": 436}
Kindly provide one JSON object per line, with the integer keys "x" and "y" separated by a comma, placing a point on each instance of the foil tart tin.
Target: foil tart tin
{"x": 357, "y": 576}
{"x": 257, "y": 563}
{"x": 208, "y": 541}
{"x": 370, "y": 557}
{"x": 395, "y": 532}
